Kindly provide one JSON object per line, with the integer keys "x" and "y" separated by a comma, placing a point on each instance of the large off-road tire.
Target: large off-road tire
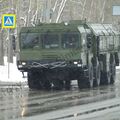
{"x": 86, "y": 81}
{"x": 113, "y": 76}
{"x": 36, "y": 80}
{"x": 105, "y": 73}
{"x": 113, "y": 71}
{"x": 90, "y": 75}
{"x": 105, "y": 78}
{"x": 97, "y": 74}
{"x": 45, "y": 80}
{"x": 58, "y": 84}
{"x": 67, "y": 84}
{"x": 116, "y": 54}
{"x": 109, "y": 76}
{"x": 45, "y": 83}
{"x": 33, "y": 80}
{"x": 82, "y": 82}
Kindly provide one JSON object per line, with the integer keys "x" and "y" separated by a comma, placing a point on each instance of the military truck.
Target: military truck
{"x": 55, "y": 54}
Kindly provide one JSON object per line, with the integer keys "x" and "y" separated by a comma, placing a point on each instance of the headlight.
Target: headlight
{"x": 23, "y": 63}
{"x": 19, "y": 66}
{"x": 79, "y": 65}
{"x": 75, "y": 62}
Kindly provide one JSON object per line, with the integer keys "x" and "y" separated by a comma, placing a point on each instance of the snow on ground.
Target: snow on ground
{"x": 117, "y": 67}
{"x": 11, "y": 73}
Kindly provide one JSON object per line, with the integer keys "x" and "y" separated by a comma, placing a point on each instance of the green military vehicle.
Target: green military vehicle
{"x": 55, "y": 54}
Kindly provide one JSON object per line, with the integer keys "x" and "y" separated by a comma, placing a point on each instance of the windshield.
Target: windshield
{"x": 50, "y": 41}
{"x": 70, "y": 40}
{"x": 29, "y": 40}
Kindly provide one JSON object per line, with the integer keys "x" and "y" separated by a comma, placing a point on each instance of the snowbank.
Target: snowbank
{"x": 10, "y": 73}
{"x": 117, "y": 67}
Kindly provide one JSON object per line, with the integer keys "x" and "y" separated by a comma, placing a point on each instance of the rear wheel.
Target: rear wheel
{"x": 86, "y": 80}
{"x": 82, "y": 83}
{"x": 105, "y": 78}
{"x": 108, "y": 77}
{"x": 113, "y": 71}
{"x": 106, "y": 69}
{"x": 97, "y": 74}
{"x": 90, "y": 76}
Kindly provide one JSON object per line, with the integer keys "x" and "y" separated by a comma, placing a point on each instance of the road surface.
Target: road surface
{"x": 19, "y": 103}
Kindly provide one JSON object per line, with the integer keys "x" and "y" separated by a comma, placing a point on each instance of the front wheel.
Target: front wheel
{"x": 113, "y": 72}
{"x": 97, "y": 74}
{"x": 58, "y": 84}
{"x": 90, "y": 76}
{"x": 67, "y": 84}
{"x": 33, "y": 80}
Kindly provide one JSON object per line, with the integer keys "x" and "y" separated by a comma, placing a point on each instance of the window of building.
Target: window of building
{"x": 116, "y": 10}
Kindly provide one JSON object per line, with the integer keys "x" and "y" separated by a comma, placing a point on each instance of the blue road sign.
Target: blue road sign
{"x": 8, "y": 21}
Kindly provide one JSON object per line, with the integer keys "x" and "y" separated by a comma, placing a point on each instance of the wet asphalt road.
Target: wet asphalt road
{"x": 19, "y": 102}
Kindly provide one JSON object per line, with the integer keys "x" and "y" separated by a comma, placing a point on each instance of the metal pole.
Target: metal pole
{"x": 8, "y": 53}
{"x": 1, "y": 48}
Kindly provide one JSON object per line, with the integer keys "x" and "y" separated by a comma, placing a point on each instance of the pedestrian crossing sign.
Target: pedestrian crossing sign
{"x": 8, "y": 21}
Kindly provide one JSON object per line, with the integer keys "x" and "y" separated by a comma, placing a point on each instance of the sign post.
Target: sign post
{"x": 9, "y": 22}
{"x": 8, "y": 53}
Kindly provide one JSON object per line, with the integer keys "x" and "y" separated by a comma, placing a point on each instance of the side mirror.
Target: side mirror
{"x": 89, "y": 41}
